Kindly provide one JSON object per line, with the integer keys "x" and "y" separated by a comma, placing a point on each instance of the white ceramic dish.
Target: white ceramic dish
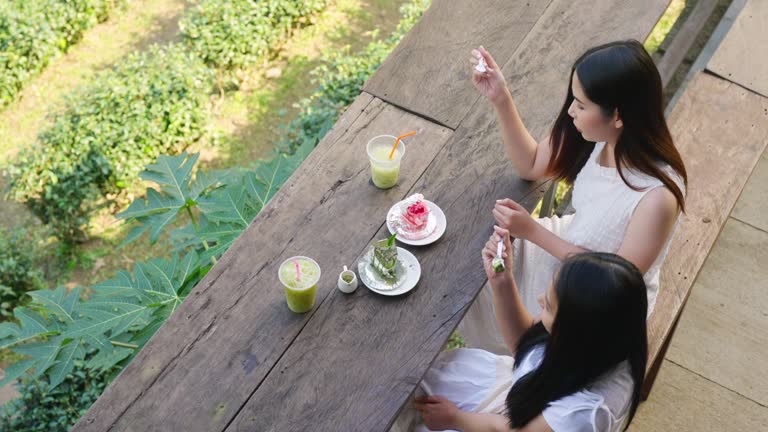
{"x": 436, "y": 218}
{"x": 407, "y": 274}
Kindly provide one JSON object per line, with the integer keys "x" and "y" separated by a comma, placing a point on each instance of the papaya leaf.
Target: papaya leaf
{"x": 31, "y": 325}
{"x": 60, "y": 302}
{"x": 65, "y": 362}
{"x": 16, "y": 370}
{"x": 108, "y": 354}
{"x": 178, "y": 191}
{"x": 44, "y": 353}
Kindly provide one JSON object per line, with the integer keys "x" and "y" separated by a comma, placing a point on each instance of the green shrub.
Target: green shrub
{"x": 152, "y": 103}
{"x": 341, "y": 78}
{"x": 41, "y": 409}
{"x": 230, "y": 34}
{"x": 121, "y": 314}
{"x": 34, "y": 32}
{"x": 17, "y": 271}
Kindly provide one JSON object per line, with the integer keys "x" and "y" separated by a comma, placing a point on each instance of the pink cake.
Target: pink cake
{"x": 415, "y": 217}
{"x": 413, "y": 220}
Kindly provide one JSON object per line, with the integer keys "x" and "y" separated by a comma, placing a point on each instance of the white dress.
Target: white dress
{"x": 603, "y": 206}
{"x": 479, "y": 381}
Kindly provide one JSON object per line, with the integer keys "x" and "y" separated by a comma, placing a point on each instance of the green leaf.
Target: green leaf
{"x": 155, "y": 213}
{"x": 31, "y": 325}
{"x": 16, "y": 370}
{"x": 228, "y": 205}
{"x": 114, "y": 315}
{"x": 391, "y": 240}
{"x": 178, "y": 192}
{"x": 65, "y": 362}
{"x": 43, "y": 353}
{"x": 60, "y": 302}
{"x": 108, "y": 354}
{"x": 173, "y": 174}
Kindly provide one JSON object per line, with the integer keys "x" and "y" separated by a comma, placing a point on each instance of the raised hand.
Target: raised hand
{"x": 490, "y": 83}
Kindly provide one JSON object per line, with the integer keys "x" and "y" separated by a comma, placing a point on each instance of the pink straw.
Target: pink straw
{"x": 298, "y": 272}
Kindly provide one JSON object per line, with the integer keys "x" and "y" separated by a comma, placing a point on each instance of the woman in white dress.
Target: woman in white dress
{"x": 580, "y": 368}
{"x": 612, "y": 143}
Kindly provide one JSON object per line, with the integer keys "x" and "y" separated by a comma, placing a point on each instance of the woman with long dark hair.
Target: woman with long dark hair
{"x": 612, "y": 143}
{"x": 579, "y": 368}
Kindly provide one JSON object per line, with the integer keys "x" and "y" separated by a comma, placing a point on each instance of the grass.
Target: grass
{"x": 248, "y": 120}
{"x": 664, "y": 25}
{"x": 142, "y": 23}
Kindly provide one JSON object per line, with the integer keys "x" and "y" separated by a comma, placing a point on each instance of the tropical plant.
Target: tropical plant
{"x": 150, "y": 104}
{"x": 120, "y": 315}
{"x": 58, "y": 327}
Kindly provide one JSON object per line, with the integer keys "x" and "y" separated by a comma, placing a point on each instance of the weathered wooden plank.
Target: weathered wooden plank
{"x": 203, "y": 364}
{"x": 722, "y": 334}
{"x": 360, "y": 357}
{"x": 433, "y": 58}
{"x": 683, "y": 40}
{"x": 687, "y": 402}
{"x": 720, "y": 130}
{"x": 743, "y": 57}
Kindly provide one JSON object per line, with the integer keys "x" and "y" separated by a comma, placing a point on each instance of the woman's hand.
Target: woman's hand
{"x": 438, "y": 412}
{"x": 489, "y": 253}
{"x": 515, "y": 218}
{"x": 490, "y": 83}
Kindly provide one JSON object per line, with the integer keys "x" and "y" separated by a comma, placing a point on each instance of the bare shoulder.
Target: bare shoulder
{"x": 660, "y": 201}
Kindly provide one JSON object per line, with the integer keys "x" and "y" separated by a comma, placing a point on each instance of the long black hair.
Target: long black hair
{"x": 620, "y": 76}
{"x": 600, "y": 323}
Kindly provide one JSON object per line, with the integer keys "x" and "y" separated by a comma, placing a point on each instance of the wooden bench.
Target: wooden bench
{"x": 721, "y": 129}
{"x": 232, "y": 357}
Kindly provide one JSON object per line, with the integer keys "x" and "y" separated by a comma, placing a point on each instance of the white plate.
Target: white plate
{"x": 434, "y": 212}
{"x": 407, "y": 274}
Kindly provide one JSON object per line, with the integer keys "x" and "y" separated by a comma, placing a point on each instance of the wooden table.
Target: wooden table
{"x": 233, "y": 357}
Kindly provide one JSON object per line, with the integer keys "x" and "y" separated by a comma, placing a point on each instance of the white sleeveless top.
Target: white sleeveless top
{"x": 604, "y": 205}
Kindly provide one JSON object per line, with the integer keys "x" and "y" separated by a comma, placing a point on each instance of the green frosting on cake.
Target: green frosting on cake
{"x": 385, "y": 256}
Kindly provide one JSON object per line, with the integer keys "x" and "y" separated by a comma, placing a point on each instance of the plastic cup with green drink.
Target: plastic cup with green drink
{"x": 299, "y": 276}
{"x": 385, "y": 171}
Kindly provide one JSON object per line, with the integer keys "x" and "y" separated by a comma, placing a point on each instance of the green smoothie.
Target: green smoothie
{"x": 300, "y": 292}
{"x": 384, "y": 175}
{"x": 385, "y": 171}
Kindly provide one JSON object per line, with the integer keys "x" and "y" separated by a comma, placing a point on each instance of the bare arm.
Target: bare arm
{"x": 512, "y": 317}
{"x": 649, "y": 228}
{"x": 647, "y": 232}
{"x": 529, "y": 158}
{"x": 553, "y": 244}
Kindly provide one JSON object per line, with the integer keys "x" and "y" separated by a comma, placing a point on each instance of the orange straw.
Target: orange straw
{"x": 397, "y": 141}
